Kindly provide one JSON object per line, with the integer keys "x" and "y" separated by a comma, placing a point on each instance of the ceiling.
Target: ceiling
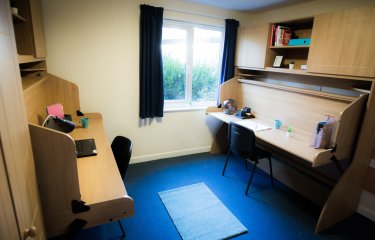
{"x": 251, "y": 6}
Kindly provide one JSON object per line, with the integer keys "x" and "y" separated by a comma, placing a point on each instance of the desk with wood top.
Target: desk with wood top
{"x": 297, "y": 143}
{"x": 75, "y": 192}
{"x": 302, "y": 109}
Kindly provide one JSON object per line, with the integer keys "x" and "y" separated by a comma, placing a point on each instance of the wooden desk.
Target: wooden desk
{"x": 297, "y": 144}
{"x": 302, "y": 109}
{"x": 96, "y": 173}
{"x": 62, "y": 178}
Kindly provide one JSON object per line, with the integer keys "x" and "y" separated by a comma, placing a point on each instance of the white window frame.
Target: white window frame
{"x": 187, "y": 104}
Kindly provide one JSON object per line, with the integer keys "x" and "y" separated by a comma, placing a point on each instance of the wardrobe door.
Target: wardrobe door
{"x": 16, "y": 152}
{"x": 251, "y": 46}
{"x": 342, "y": 43}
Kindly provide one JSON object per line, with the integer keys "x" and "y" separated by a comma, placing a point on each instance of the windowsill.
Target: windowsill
{"x": 182, "y": 106}
{"x": 184, "y": 109}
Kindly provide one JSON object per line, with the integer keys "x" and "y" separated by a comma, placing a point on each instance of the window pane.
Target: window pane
{"x": 206, "y": 62}
{"x": 174, "y": 47}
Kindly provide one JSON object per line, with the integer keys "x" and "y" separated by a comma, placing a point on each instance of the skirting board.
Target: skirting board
{"x": 366, "y": 205}
{"x": 151, "y": 157}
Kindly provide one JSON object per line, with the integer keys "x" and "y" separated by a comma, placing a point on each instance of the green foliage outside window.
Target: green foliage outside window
{"x": 204, "y": 86}
{"x": 204, "y": 82}
{"x": 174, "y": 79}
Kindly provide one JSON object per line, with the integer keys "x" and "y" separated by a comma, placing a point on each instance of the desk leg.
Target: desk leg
{"x": 220, "y": 142}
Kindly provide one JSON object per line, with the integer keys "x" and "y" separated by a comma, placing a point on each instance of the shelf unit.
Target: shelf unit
{"x": 288, "y": 47}
{"x": 28, "y": 29}
{"x": 33, "y": 81}
{"x": 301, "y": 28}
{"x": 335, "y": 63}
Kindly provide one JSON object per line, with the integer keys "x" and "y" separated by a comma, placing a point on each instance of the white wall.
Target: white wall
{"x": 95, "y": 43}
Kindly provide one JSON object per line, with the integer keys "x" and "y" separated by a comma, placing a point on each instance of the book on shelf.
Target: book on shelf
{"x": 272, "y": 39}
{"x": 280, "y": 35}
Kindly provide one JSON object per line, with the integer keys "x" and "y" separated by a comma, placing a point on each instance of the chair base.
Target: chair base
{"x": 252, "y": 172}
{"x": 122, "y": 229}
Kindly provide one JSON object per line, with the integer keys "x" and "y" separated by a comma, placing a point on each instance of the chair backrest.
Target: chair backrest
{"x": 122, "y": 150}
{"x": 241, "y": 139}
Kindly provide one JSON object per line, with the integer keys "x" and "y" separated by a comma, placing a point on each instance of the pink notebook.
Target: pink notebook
{"x": 55, "y": 110}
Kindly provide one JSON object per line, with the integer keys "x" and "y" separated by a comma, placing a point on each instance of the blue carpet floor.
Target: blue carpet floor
{"x": 268, "y": 212}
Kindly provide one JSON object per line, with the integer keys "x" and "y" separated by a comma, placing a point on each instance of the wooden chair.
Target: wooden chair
{"x": 242, "y": 144}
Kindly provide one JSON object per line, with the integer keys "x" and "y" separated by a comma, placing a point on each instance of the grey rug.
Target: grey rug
{"x": 198, "y": 214}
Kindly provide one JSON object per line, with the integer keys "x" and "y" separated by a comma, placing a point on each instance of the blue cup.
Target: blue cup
{"x": 84, "y": 122}
{"x": 278, "y": 124}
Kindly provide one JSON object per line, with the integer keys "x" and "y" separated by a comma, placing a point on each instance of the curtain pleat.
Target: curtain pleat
{"x": 151, "y": 65}
{"x": 227, "y": 67}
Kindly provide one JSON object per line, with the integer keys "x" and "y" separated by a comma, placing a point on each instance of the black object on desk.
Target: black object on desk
{"x": 85, "y": 147}
{"x": 244, "y": 113}
{"x": 59, "y": 124}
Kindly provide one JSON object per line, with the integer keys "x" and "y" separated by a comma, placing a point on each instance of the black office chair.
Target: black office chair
{"x": 122, "y": 150}
{"x": 242, "y": 144}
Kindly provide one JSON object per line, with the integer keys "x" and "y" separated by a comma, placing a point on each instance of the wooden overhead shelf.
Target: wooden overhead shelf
{"x": 304, "y": 72}
{"x": 33, "y": 69}
{"x": 28, "y": 59}
{"x": 300, "y": 90}
{"x": 289, "y": 47}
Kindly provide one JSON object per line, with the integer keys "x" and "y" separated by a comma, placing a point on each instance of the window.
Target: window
{"x": 191, "y": 64}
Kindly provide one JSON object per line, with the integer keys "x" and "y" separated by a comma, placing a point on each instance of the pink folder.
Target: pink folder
{"x": 56, "y": 110}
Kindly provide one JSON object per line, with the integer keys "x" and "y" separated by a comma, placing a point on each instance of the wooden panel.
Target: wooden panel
{"x": 8, "y": 222}
{"x": 348, "y": 127}
{"x": 47, "y": 91}
{"x": 343, "y": 43}
{"x": 38, "y": 28}
{"x": 251, "y": 46}
{"x": 94, "y": 180}
{"x": 14, "y": 135}
{"x": 56, "y": 167}
{"x": 300, "y": 111}
{"x": 64, "y": 92}
{"x": 299, "y": 181}
{"x": 344, "y": 199}
{"x": 23, "y": 31}
{"x": 303, "y": 33}
{"x": 229, "y": 89}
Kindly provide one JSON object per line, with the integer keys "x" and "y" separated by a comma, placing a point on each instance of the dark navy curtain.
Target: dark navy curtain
{"x": 227, "y": 67}
{"x": 151, "y": 65}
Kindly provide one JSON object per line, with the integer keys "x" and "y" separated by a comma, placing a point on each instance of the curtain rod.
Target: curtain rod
{"x": 197, "y": 14}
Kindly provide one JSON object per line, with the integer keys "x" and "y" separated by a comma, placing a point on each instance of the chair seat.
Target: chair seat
{"x": 258, "y": 153}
